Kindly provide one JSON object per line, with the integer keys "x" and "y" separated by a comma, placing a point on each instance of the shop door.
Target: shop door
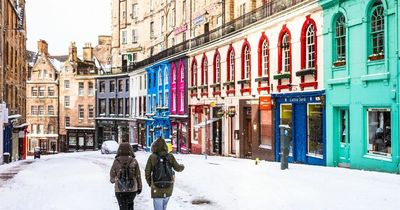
{"x": 247, "y": 133}
{"x": 286, "y": 118}
{"x": 342, "y": 136}
{"x": 300, "y": 133}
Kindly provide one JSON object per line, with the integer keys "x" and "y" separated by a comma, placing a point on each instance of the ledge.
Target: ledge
{"x": 244, "y": 81}
{"x": 204, "y": 94}
{"x": 232, "y": 91}
{"x": 338, "y": 81}
{"x": 259, "y": 89}
{"x": 228, "y": 83}
{"x": 215, "y": 85}
{"x": 262, "y": 79}
{"x": 245, "y": 90}
{"x": 305, "y": 72}
{"x": 216, "y": 93}
{"x": 309, "y": 84}
{"x": 203, "y": 87}
{"x": 374, "y": 77}
{"x": 282, "y": 76}
{"x": 338, "y": 64}
{"x": 192, "y": 88}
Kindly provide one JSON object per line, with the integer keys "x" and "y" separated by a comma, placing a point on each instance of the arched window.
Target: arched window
{"x": 377, "y": 35}
{"x": 166, "y": 76}
{"x": 173, "y": 73}
{"x": 285, "y": 49}
{"x": 217, "y": 67}
{"x": 182, "y": 72}
{"x": 340, "y": 38}
{"x": 246, "y": 62}
{"x": 204, "y": 72}
{"x": 194, "y": 73}
{"x": 264, "y": 57}
{"x": 160, "y": 80}
{"x": 310, "y": 47}
{"x": 231, "y": 65}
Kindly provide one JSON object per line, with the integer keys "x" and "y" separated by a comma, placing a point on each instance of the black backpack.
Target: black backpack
{"x": 125, "y": 176}
{"x": 162, "y": 172}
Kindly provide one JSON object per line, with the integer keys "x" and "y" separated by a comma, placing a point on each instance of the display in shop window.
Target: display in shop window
{"x": 379, "y": 132}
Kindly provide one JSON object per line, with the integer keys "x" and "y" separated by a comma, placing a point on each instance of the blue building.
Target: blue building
{"x": 157, "y": 124}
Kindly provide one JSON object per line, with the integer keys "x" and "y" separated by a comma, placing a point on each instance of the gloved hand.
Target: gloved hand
{"x": 138, "y": 191}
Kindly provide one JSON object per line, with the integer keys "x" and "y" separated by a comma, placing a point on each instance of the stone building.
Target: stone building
{"x": 42, "y": 102}
{"x": 77, "y": 99}
{"x": 13, "y": 69}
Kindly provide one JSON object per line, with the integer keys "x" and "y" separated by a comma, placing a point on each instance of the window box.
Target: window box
{"x": 201, "y": 87}
{"x": 262, "y": 79}
{"x": 375, "y": 57}
{"x": 226, "y": 83}
{"x": 244, "y": 81}
{"x": 305, "y": 72}
{"x": 339, "y": 63}
{"x": 215, "y": 85}
{"x": 192, "y": 88}
{"x": 284, "y": 75}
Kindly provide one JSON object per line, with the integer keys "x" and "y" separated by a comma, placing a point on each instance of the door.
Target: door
{"x": 300, "y": 133}
{"x": 247, "y": 133}
{"x": 343, "y": 137}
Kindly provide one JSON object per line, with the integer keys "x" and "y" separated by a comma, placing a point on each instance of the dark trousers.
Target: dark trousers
{"x": 125, "y": 200}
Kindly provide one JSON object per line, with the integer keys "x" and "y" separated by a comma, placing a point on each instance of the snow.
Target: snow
{"x": 81, "y": 181}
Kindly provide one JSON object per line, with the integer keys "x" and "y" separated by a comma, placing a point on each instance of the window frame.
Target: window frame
{"x": 340, "y": 38}
{"x": 371, "y": 33}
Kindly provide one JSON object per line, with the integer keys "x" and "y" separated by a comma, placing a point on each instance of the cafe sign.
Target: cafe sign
{"x": 265, "y": 103}
{"x": 180, "y": 29}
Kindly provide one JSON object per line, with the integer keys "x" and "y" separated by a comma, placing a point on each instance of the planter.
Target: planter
{"x": 229, "y": 83}
{"x": 192, "y": 88}
{"x": 282, "y": 76}
{"x": 245, "y": 81}
{"x": 376, "y": 57}
{"x": 339, "y": 63}
{"x": 305, "y": 72}
{"x": 215, "y": 85}
{"x": 261, "y": 79}
{"x": 203, "y": 86}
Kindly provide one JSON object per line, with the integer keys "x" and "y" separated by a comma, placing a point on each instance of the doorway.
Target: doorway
{"x": 247, "y": 133}
{"x": 342, "y": 137}
{"x": 206, "y": 32}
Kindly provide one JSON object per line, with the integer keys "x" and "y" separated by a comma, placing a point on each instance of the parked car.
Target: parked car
{"x": 109, "y": 147}
{"x": 37, "y": 152}
{"x": 135, "y": 146}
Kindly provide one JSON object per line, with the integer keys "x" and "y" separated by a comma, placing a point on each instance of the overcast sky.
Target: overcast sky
{"x": 61, "y": 21}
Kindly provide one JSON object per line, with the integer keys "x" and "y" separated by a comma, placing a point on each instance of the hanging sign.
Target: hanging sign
{"x": 265, "y": 103}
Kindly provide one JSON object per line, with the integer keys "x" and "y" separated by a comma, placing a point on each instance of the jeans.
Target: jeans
{"x": 125, "y": 200}
{"x": 160, "y": 203}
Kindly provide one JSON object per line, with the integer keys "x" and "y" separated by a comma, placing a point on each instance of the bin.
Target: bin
{"x": 6, "y": 157}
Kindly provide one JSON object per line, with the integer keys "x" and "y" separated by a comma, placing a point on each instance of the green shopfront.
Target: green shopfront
{"x": 361, "y": 41}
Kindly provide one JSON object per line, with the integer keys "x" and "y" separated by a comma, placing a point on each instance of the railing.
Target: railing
{"x": 232, "y": 27}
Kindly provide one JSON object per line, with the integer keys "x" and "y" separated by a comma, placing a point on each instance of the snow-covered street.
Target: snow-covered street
{"x": 81, "y": 181}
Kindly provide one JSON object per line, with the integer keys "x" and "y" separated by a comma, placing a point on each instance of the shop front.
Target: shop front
{"x": 80, "y": 139}
{"x": 110, "y": 129}
{"x": 179, "y": 129}
{"x": 304, "y": 113}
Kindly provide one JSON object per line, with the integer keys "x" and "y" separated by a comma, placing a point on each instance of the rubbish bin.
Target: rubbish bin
{"x": 37, "y": 153}
{"x": 285, "y": 143}
{"x": 6, "y": 157}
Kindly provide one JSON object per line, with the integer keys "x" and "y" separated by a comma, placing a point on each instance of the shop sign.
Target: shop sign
{"x": 265, "y": 103}
{"x": 180, "y": 29}
{"x": 198, "y": 20}
{"x": 134, "y": 49}
{"x": 298, "y": 99}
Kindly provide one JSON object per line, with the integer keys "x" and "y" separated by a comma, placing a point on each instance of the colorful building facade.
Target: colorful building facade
{"x": 361, "y": 76}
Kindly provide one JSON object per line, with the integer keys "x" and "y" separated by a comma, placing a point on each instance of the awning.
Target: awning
{"x": 203, "y": 124}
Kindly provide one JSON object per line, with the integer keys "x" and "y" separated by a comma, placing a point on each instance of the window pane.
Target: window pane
{"x": 379, "y": 132}
{"x": 266, "y": 128}
{"x": 314, "y": 130}
{"x": 286, "y": 119}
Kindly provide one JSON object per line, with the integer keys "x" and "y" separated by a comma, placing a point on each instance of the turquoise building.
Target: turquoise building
{"x": 362, "y": 62}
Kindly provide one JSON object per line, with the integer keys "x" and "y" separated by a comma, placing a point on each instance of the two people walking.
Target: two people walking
{"x": 159, "y": 174}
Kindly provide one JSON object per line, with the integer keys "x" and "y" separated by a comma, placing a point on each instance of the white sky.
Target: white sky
{"x": 61, "y": 21}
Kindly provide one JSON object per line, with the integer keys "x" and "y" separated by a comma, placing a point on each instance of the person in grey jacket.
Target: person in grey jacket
{"x": 125, "y": 196}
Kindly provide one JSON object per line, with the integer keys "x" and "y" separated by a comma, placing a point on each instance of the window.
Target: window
{"x": 124, "y": 37}
{"x": 34, "y": 129}
{"x": 80, "y": 92}
{"x": 66, "y": 84}
{"x": 285, "y": 49}
{"x": 155, "y": 79}
{"x": 246, "y": 62}
{"x": 340, "y": 38}
{"x": 162, "y": 24}
{"x": 112, "y": 106}
{"x": 160, "y": 95}
{"x": 151, "y": 30}
{"x": 34, "y": 110}
{"x": 91, "y": 89}
{"x": 310, "y": 47}
{"x": 182, "y": 100}
{"x": 50, "y": 110}
{"x": 231, "y": 65}
{"x": 204, "y": 72}
{"x": 41, "y": 91}
{"x": 41, "y": 110}
{"x": 379, "y": 135}
{"x": 134, "y": 36}
{"x": 149, "y": 107}
{"x": 34, "y": 91}
{"x": 194, "y": 73}
{"x": 144, "y": 80}
{"x": 41, "y": 129}
{"x": 50, "y": 129}
{"x": 81, "y": 112}
{"x": 127, "y": 106}
{"x": 50, "y": 91}
{"x": 166, "y": 101}
{"x": 184, "y": 9}
{"x": 127, "y": 85}
{"x": 149, "y": 83}
{"x": 66, "y": 101}
{"x": 154, "y": 103}
{"x": 166, "y": 76}
{"x": 242, "y": 9}
{"x": 102, "y": 108}
{"x": 112, "y": 86}
{"x": 91, "y": 111}
{"x": 102, "y": 86}
{"x": 315, "y": 143}
{"x": 120, "y": 85}
{"x": 265, "y": 57}
{"x": 266, "y": 127}
{"x": 140, "y": 83}
{"x": 134, "y": 10}
{"x": 217, "y": 68}
{"x": 182, "y": 73}
{"x": 67, "y": 121}
{"x": 377, "y": 29}
{"x": 120, "y": 106}
{"x": 160, "y": 80}
{"x": 174, "y": 98}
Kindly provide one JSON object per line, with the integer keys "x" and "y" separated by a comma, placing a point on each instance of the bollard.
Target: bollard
{"x": 284, "y": 131}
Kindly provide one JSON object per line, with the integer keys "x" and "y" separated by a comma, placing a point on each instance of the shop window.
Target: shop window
{"x": 89, "y": 140}
{"x": 314, "y": 130}
{"x": 286, "y": 119}
{"x": 379, "y": 139}
{"x": 377, "y": 31}
{"x": 340, "y": 40}
{"x": 266, "y": 128}
{"x": 72, "y": 141}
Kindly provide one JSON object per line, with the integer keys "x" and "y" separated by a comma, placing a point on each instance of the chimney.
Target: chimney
{"x": 73, "y": 55}
{"x": 88, "y": 52}
{"x": 42, "y": 47}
